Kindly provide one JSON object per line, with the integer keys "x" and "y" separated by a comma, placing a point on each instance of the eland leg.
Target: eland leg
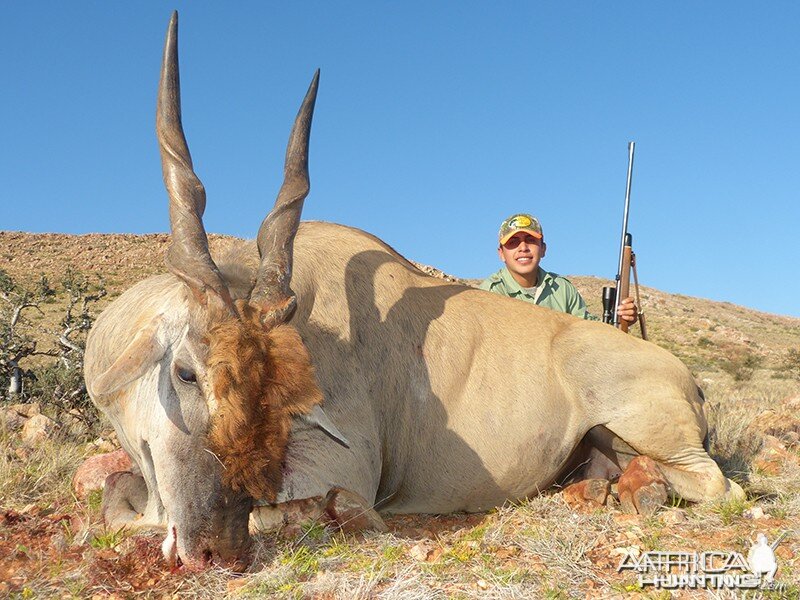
{"x": 341, "y": 508}
{"x": 671, "y": 430}
{"x": 124, "y": 500}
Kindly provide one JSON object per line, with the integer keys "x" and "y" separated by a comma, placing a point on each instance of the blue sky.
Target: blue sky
{"x": 434, "y": 121}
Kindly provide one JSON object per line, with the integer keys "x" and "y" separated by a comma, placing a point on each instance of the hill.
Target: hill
{"x": 708, "y": 336}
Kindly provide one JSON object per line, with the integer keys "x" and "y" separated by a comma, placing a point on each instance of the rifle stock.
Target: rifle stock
{"x": 624, "y": 284}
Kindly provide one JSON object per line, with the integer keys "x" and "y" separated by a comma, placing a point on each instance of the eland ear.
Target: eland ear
{"x": 318, "y": 418}
{"x": 138, "y": 356}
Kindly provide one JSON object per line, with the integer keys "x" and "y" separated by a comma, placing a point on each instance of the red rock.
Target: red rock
{"x": 587, "y": 493}
{"x": 773, "y": 456}
{"x": 91, "y": 475}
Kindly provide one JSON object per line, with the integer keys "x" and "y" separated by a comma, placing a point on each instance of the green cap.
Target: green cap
{"x": 520, "y": 222}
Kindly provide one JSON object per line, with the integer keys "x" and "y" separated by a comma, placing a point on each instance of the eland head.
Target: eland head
{"x": 204, "y": 389}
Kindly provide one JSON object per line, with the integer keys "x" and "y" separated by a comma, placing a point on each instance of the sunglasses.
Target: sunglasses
{"x": 515, "y": 241}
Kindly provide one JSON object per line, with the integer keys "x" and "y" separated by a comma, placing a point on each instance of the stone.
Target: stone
{"x": 101, "y": 445}
{"x": 673, "y": 517}
{"x": 14, "y": 417}
{"x": 59, "y": 543}
{"x": 755, "y": 513}
{"x": 92, "y": 474}
{"x": 37, "y": 429}
{"x": 772, "y": 457}
{"x": 791, "y": 438}
{"x": 26, "y": 410}
{"x": 587, "y": 493}
{"x": 11, "y": 420}
{"x": 425, "y": 551}
{"x": 778, "y": 422}
{"x": 351, "y": 512}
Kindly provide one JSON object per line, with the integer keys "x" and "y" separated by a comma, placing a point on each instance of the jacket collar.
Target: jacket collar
{"x": 514, "y": 288}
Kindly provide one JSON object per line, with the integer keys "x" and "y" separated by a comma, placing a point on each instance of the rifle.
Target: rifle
{"x": 627, "y": 261}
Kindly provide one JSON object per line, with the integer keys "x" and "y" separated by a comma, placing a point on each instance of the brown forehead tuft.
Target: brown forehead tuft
{"x": 260, "y": 379}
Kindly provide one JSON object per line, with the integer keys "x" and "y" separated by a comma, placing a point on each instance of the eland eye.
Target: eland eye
{"x": 186, "y": 375}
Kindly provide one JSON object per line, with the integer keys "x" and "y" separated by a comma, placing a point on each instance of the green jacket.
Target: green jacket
{"x": 552, "y": 291}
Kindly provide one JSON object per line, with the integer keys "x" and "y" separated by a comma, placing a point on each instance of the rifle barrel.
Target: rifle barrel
{"x": 631, "y": 147}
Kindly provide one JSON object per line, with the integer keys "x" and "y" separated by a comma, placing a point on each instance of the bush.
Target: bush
{"x": 741, "y": 365}
{"x": 61, "y": 389}
{"x": 790, "y": 365}
{"x": 56, "y": 381}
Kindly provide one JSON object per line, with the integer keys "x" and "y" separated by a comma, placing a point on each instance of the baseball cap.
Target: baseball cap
{"x": 520, "y": 222}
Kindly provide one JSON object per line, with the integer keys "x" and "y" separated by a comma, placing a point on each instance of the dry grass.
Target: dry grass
{"x": 538, "y": 549}
{"x": 40, "y": 474}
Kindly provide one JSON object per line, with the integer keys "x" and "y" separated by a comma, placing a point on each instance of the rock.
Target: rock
{"x": 83, "y": 537}
{"x": 642, "y": 487}
{"x": 59, "y": 542}
{"x": 772, "y": 457}
{"x": 773, "y": 443}
{"x": 37, "y": 429}
{"x": 351, "y": 512}
{"x": 11, "y": 420}
{"x": 23, "y": 452}
{"x": 673, "y": 517}
{"x": 587, "y": 493}
{"x": 425, "y": 551}
{"x": 75, "y": 424}
{"x": 755, "y": 513}
{"x": 780, "y": 422}
{"x": 92, "y": 474}
{"x": 26, "y": 410}
{"x": 14, "y": 417}
{"x": 101, "y": 445}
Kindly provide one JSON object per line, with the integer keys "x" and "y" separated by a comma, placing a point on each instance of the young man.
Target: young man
{"x": 521, "y": 249}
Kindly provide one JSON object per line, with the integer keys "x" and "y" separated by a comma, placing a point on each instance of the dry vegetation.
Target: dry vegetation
{"x": 748, "y": 363}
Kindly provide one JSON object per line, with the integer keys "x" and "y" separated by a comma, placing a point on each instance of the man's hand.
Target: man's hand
{"x": 627, "y": 311}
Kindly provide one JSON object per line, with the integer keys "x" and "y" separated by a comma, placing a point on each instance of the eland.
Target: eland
{"x": 319, "y": 359}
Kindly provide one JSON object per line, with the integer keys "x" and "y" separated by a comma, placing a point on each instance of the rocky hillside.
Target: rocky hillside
{"x": 707, "y": 335}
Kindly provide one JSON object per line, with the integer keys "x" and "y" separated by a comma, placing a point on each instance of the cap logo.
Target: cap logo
{"x": 520, "y": 221}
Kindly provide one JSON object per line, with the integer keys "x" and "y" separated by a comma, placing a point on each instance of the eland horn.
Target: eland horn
{"x": 272, "y": 293}
{"x": 188, "y": 256}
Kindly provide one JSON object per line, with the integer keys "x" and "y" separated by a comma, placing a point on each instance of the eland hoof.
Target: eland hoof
{"x": 351, "y": 513}
{"x": 124, "y": 499}
{"x": 642, "y": 487}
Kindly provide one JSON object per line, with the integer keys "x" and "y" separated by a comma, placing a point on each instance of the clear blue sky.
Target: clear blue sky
{"x": 435, "y": 120}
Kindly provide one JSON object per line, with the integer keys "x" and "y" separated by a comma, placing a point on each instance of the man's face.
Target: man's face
{"x": 521, "y": 254}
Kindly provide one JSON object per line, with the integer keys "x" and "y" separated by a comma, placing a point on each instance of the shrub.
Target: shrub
{"x": 741, "y": 365}
{"x": 790, "y": 364}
